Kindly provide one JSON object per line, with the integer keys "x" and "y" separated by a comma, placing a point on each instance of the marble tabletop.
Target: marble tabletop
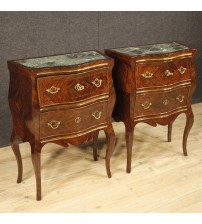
{"x": 61, "y": 60}
{"x": 151, "y": 49}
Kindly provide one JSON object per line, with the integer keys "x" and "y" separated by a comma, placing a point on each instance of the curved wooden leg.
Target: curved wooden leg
{"x": 110, "y": 135}
{"x": 129, "y": 144}
{"x": 36, "y": 160}
{"x": 170, "y": 125}
{"x": 189, "y": 123}
{"x": 95, "y": 148}
{"x": 14, "y": 142}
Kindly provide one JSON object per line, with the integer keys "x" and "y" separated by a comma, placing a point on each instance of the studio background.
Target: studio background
{"x": 32, "y": 34}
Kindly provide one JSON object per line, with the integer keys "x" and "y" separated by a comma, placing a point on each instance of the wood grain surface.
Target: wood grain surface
{"x": 45, "y": 108}
{"x": 155, "y": 89}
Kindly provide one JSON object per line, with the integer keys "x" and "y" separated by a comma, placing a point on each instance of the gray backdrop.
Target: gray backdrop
{"x": 31, "y": 34}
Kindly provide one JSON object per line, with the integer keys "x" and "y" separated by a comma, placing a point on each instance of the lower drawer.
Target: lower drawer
{"x": 154, "y": 103}
{"x": 73, "y": 121}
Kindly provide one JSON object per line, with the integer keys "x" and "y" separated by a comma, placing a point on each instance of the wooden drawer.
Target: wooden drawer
{"x": 73, "y": 121}
{"x": 155, "y": 103}
{"x": 153, "y": 74}
{"x": 62, "y": 89}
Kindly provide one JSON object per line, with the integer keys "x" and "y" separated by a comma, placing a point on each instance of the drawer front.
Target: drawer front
{"x": 153, "y": 74}
{"x": 155, "y": 103}
{"x": 62, "y": 89}
{"x": 73, "y": 121}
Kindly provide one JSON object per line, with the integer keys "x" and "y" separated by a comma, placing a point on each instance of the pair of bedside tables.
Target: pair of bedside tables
{"x": 68, "y": 99}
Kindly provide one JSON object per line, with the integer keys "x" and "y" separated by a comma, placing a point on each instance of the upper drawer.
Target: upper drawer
{"x": 62, "y": 89}
{"x": 153, "y": 74}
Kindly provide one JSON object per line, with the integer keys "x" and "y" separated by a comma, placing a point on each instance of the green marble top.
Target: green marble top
{"x": 151, "y": 49}
{"x": 61, "y": 60}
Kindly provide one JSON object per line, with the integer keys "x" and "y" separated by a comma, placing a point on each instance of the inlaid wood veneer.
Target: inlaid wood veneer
{"x": 154, "y": 84}
{"x": 64, "y": 99}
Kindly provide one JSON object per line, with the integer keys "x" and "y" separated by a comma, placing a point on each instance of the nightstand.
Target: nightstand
{"x": 64, "y": 99}
{"x": 154, "y": 84}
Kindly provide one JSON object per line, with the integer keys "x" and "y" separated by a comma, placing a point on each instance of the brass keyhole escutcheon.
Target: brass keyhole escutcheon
{"x": 77, "y": 120}
{"x": 165, "y": 102}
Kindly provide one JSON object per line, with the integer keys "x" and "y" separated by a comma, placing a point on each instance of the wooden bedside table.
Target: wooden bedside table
{"x": 65, "y": 99}
{"x": 154, "y": 84}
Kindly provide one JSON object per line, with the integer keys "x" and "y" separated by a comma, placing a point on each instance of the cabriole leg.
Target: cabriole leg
{"x": 36, "y": 160}
{"x": 129, "y": 144}
{"x": 110, "y": 135}
{"x": 14, "y": 142}
{"x": 170, "y": 126}
{"x": 95, "y": 148}
{"x": 189, "y": 124}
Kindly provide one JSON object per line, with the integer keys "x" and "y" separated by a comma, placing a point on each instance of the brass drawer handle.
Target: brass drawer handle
{"x": 77, "y": 120}
{"x": 53, "y": 90}
{"x": 97, "y": 114}
{"x": 78, "y": 87}
{"x": 146, "y": 105}
{"x": 182, "y": 70}
{"x": 97, "y": 82}
{"x": 180, "y": 98}
{"x": 165, "y": 102}
{"x": 54, "y": 124}
{"x": 168, "y": 73}
{"x": 147, "y": 75}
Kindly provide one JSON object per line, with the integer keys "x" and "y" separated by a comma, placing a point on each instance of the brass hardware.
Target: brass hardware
{"x": 97, "y": 114}
{"x": 77, "y": 120}
{"x": 78, "y": 87}
{"x": 168, "y": 73}
{"x": 97, "y": 82}
{"x": 53, "y": 90}
{"x": 166, "y": 102}
{"x": 180, "y": 98}
{"x": 147, "y": 75}
{"x": 146, "y": 105}
{"x": 182, "y": 70}
{"x": 54, "y": 124}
